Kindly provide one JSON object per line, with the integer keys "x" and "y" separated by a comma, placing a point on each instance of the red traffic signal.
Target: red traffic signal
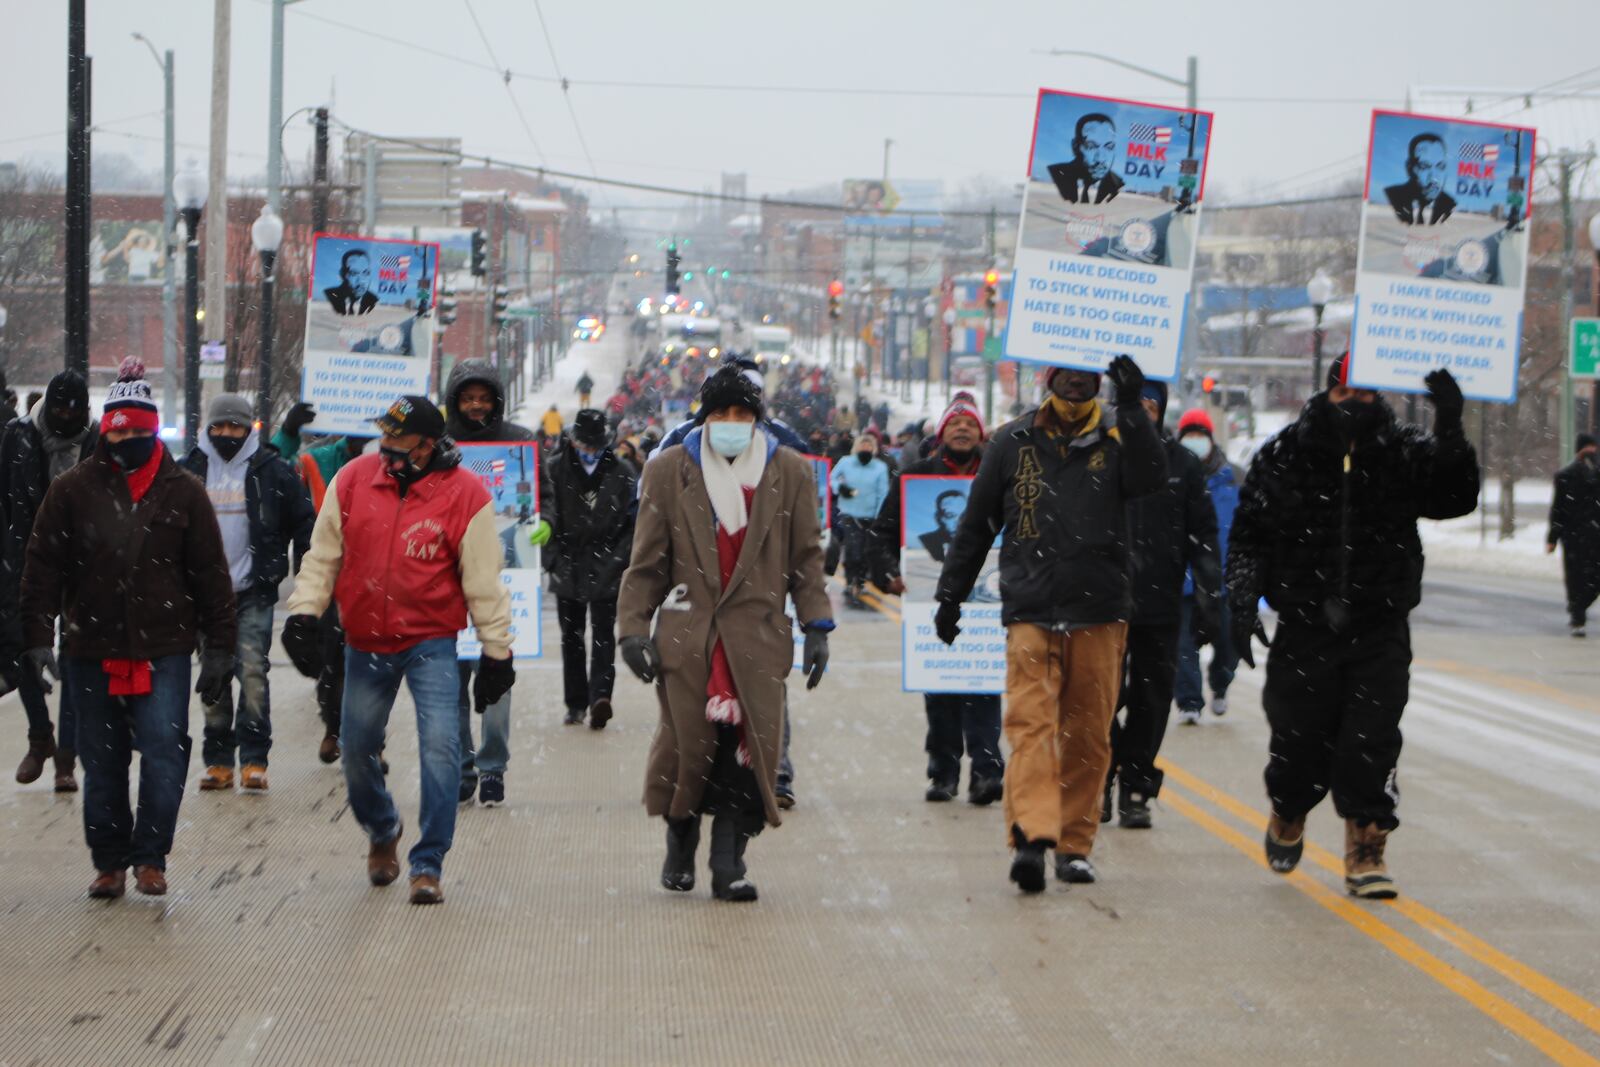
{"x": 992, "y": 278}
{"x": 1207, "y": 384}
{"x": 836, "y": 288}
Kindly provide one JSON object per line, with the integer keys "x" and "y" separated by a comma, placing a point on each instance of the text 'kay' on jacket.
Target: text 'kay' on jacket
{"x": 1060, "y": 504}
{"x": 1327, "y": 530}
{"x": 405, "y": 569}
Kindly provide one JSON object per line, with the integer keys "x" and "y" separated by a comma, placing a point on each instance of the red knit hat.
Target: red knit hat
{"x": 130, "y": 405}
{"x": 960, "y": 406}
{"x": 1195, "y": 418}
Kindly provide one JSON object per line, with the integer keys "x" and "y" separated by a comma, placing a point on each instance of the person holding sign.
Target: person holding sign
{"x": 955, "y": 720}
{"x": 727, "y": 527}
{"x": 428, "y": 557}
{"x": 1055, "y": 484}
{"x": 1326, "y": 530}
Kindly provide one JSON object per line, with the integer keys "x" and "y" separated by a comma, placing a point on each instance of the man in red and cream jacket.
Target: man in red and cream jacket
{"x": 424, "y": 554}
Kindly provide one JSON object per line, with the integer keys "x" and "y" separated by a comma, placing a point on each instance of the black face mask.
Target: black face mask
{"x": 1357, "y": 421}
{"x": 955, "y": 456}
{"x": 131, "y": 453}
{"x": 397, "y": 464}
{"x": 227, "y": 447}
{"x": 71, "y": 426}
{"x": 864, "y": 458}
{"x": 475, "y": 424}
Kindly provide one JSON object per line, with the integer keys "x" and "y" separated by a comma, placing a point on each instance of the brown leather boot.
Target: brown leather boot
{"x": 40, "y": 748}
{"x": 150, "y": 880}
{"x": 253, "y": 776}
{"x": 425, "y": 889}
{"x": 383, "y": 860}
{"x": 1365, "y": 875}
{"x": 65, "y": 760}
{"x": 216, "y": 778}
{"x": 108, "y": 885}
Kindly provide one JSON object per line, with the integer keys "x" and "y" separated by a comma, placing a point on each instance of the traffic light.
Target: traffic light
{"x": 835, "y": 291}
{"x": 502, "y": 304}
{"x": 672, "y": 270}
{"x": 447, "y": 307}
{"x": 991, "y": 289}
{"x": 1208, "y": 384}
{"x": 480, "y": 254}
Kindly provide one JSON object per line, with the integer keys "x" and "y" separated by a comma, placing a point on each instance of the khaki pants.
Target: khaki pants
{"x": 1061, "y": 692}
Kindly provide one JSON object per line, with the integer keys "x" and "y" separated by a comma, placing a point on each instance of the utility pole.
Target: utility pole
{"x": 489, "y": 281}
{"x": 1565, "y": 161}
{"x": 169, "y": 225}
{"x": 216, "y": 261}
{"x": 275, "y": 114}
{"x": 319, "y": 174}
{"x": 988, "y": 333}
{"x": 77, "y": 204}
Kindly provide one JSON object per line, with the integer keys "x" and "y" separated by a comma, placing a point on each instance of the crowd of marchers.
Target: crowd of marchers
{"x": 1124, "y": 550}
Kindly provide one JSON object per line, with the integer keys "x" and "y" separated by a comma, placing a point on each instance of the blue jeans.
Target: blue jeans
{"x": 109, "y": 729}
{"x": 371, "y": 682}
{"x": 253, "y": 722}
{"x": 38, "y": 712}
{"x": 496, "y": 751}
{"x": 1224, "y": 660}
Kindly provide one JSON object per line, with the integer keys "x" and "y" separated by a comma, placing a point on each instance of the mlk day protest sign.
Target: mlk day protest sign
{"x": 510, "y": 471}
{"x": 369, "y": 328}
{"x": 1444, "y": 254}
{"x": 1106, "y": 245}
{"x": 930, "y": 508}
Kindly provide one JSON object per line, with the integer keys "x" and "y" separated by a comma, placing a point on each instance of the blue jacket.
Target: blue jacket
{"x": 279, "y": 507}
{"x": 870, "y": 482}
{"x": 1223, "y": 484}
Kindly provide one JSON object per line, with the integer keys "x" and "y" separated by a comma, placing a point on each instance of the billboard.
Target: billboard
{"x": 1106, "y": 245}
{"x": 879, "y": 204}
{"x": 1444, "y": 254}
{"x": 930, "y": 509}
{"x": 510, "y": 471}
{"x": 369, "y": 328}
{"x": 127, "y": 253}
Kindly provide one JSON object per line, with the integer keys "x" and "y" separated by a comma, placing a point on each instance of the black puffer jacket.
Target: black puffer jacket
{"x": 591, "y": 518}
{"x": 24, "y": 479}
{"x": 1062, "y": 504}
{"x": 1170, "y": 532}
{"x": 497, "y": 428}
{"x": 1575, "y": 509}
{"x": 1327, "y": 532}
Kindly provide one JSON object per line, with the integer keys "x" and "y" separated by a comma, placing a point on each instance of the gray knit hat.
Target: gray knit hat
{"x": 230, "y": 407}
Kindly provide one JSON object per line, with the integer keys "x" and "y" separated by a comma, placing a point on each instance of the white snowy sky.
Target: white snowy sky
{"x": 1255, "y": 57}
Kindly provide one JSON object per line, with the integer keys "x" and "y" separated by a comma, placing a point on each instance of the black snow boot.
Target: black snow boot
{"x": 683, "y": 837}
{"x": 1133, "y": 809}
{"x": 985, "y": 791}
{"x": 729, "y": 835}
{"x": 1285, "y": 842}
{"x": 1105, "y": 799}
{"x": 1027, "y": 864}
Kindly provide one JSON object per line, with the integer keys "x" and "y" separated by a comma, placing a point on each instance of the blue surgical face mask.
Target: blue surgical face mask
{"x": 588, "y": 457}
{"x": 1199, "y": 444}
{"x": 729, "y": 439}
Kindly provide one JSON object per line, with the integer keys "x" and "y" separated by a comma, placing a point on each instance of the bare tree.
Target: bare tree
{"x": 31, "y": 347}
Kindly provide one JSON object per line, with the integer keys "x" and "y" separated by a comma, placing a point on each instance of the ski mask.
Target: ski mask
{"x": 131, "y": 453}
{"x": 1357, "y": 421}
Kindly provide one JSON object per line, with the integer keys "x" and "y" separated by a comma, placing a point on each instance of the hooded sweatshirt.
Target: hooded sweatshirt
{"x": 225, "y": 485}
{"x": 61, "y": 453}
{"x": 495, "y": 428}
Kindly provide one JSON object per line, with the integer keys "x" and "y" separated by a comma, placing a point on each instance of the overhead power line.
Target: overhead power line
{"x": 506, "y": 80}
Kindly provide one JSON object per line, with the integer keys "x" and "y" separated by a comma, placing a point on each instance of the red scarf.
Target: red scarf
{"x": 722, "y": 696}
{"x": 131, "y": 677}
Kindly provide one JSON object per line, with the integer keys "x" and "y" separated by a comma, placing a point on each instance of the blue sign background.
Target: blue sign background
{"x": 330, "y": 252}
{"x": 1391, "y": 140}
{"x": 1058, "y": 118}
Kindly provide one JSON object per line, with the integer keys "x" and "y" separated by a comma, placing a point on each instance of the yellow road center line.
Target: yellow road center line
{"x": 1496, "y": 1007}
{"x": 1509, "y": 681}
{"x": 1546, "y": 989}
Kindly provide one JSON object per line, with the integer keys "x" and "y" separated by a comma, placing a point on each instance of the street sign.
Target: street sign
{"x": 994, "y": 349}
{"x": 1583, "y": 351}
{"x": 213, "y": 372}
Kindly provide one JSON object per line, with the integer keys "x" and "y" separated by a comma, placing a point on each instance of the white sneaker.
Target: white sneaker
{"x": 1189, "y": 716}
{"x": 1579, "y": 630}
{"x": 1219, "y": 706}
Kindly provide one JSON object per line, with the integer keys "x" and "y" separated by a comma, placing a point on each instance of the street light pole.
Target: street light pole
{"x": 1319, "y": 290}
{"x": 1594, "y": 397}
{"x": 1190, "y": 83}
{"x": 189, "y": 189}
{"x": 169, "y": 223}
{"x": 266, "y": 233}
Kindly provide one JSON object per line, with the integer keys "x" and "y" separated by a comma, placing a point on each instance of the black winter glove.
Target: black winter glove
{"x": 1445, "y": 396}
{"x": 216, "y": 667}
{"x": 494, "y": 680}
{"x": 846, "y": 492}
{"x": 303, "y": 641}
{"x": 1246, "y": 624}
{"x": 814, "y": 659}
{"x": 37, "y": 661}
{"x": 640, "y": 654}
{"x": 299, "y": 415}
{"x": 946, "y": 621}
{"x": 1127, "y": 380}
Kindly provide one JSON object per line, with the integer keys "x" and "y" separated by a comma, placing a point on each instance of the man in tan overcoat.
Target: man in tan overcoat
{"x": 727, "y": 529}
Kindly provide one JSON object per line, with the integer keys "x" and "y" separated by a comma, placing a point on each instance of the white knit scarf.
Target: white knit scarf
{"x": 726, "y": 480}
